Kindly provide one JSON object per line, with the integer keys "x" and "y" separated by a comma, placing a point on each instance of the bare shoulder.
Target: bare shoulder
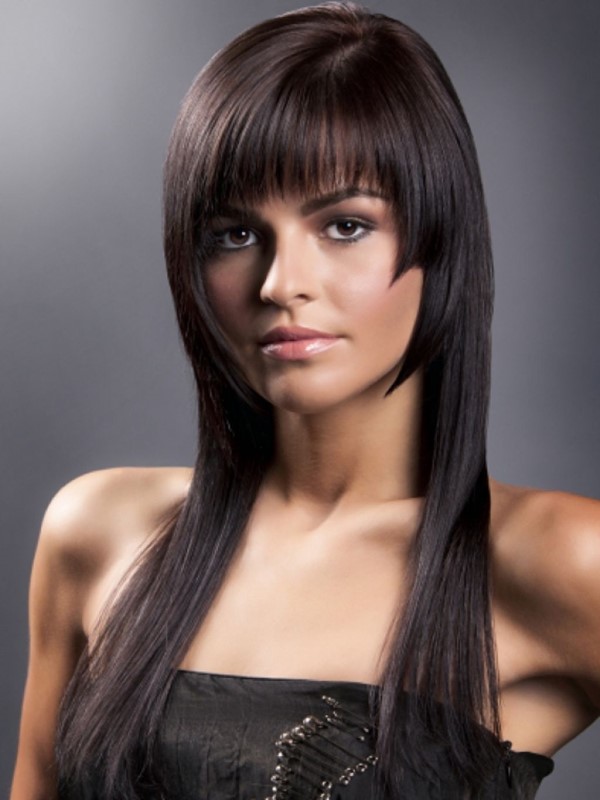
{"x": 541, "y": 534}
{"x": 96, "y": 515}
{"x": 546, "y": 556}
{"x": 94, "y": 528}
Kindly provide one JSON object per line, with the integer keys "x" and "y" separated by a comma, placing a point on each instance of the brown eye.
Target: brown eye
{"x": 347, "y": 227}
{"x": 236, "y": 238}
{"x": 347, "y": 230}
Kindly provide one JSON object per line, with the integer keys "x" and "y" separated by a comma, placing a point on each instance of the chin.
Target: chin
{"x": 303, "y": 405}
{"x": 320, "y": 393}
{"x": 320, "y": 390}
{"x": 306, "y": 399}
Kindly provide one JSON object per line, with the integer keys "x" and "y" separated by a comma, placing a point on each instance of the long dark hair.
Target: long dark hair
{"x": 326, "y": 96}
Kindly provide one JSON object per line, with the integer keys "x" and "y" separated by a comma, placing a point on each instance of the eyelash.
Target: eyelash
{"x": 217, "y": 237}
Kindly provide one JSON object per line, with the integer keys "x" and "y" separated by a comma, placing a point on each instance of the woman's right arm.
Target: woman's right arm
{"x": 61, "y": 576}
{"x": 90, "y": 534}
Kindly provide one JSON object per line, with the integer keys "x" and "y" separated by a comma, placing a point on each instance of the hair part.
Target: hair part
{"x": 314, "y": 100}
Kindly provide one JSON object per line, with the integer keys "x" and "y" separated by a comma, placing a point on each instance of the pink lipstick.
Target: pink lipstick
{"x": 296, "y": 343}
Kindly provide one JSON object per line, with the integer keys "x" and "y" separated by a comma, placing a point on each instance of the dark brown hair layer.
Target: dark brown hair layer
{"x": 320, "y": 98}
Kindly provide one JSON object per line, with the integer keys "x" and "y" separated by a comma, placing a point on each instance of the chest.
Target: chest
{"x": 301, "y": 607}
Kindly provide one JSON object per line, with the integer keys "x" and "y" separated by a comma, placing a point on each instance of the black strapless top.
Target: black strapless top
{"x": 229, "y": 737}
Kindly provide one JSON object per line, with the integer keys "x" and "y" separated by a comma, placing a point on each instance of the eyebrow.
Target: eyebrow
{"x": 316, "y": 203}
{"x": 308, "y": 207}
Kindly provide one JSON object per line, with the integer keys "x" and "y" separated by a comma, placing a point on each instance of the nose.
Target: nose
{"x": 291, "y": 276}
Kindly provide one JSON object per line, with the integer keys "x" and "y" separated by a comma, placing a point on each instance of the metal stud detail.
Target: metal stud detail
{"x": 322, "y": 752}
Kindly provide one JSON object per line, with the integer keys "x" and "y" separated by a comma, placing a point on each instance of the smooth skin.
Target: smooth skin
{"x": 319, "y": 572}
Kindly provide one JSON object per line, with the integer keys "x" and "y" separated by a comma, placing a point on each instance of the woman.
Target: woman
{"x": 337, "y": 601}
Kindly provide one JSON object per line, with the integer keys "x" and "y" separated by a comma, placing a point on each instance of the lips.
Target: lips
{"x": 296, "y": 343}
{"x": 292, "y": 334}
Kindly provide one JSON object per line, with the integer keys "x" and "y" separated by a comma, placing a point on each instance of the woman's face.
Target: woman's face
{"x": 324, "y": 264}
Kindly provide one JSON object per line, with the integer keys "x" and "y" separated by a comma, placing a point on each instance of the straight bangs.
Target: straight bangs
{"x": 306, "y": 121}
{"x": 312, "y": 136}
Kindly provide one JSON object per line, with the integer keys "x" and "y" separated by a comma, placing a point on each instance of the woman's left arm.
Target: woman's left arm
{"x": 568, "y": 539}
{"x": 585, "y": 571}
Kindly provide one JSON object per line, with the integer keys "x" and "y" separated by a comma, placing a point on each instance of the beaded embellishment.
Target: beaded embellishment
{"x": 322, "y": 752}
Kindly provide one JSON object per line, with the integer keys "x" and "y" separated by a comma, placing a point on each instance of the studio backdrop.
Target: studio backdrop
{"x": 92, "y": 372}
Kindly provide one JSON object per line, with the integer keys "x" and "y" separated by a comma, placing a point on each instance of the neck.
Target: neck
{"x": 364, "y": 451}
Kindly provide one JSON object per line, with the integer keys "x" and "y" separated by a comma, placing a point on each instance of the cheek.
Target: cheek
{"x": 226, "y": 295}
{"x": 375, "y": 306}
{"x": 406, "y": 295}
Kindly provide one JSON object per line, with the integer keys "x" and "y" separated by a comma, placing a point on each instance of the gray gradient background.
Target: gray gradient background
{"x": 92, "y": 372}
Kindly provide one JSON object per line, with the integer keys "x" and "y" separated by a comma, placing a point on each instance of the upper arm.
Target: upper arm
{"x": 561, "y": 566}
{"x": 576, "y": 570}
{"x": 90, "y": 533}
{"x": 63, "y": 568}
